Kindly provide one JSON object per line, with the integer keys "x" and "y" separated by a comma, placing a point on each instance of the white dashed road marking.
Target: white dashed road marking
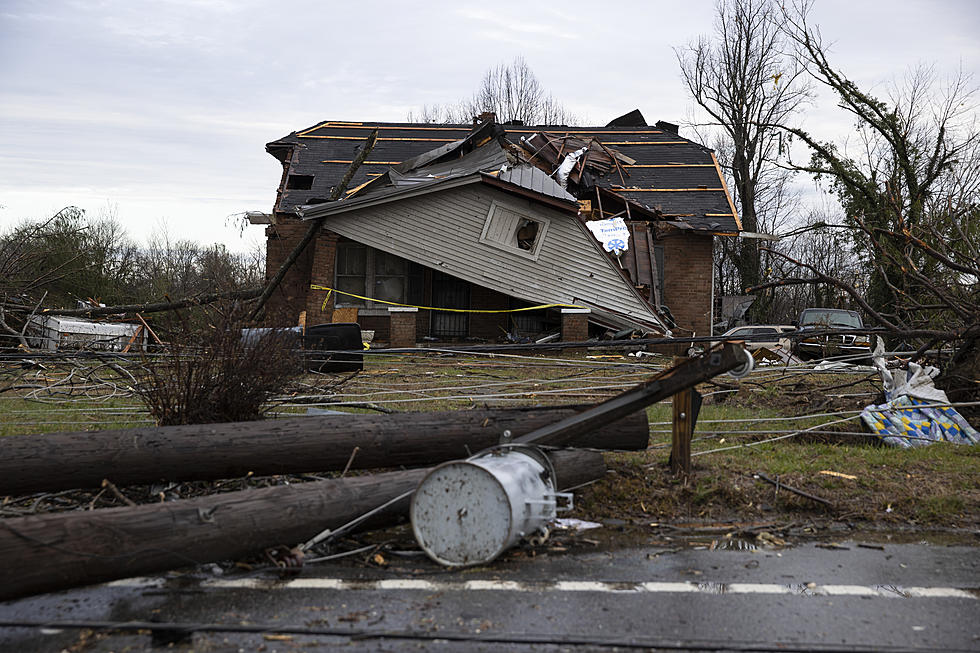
{"x": 652, "y": 587}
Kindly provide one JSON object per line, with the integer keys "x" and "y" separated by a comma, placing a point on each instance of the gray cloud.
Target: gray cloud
{"x": 164, "y": 107}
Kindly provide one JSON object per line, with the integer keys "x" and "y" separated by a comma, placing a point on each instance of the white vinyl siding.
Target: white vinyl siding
{"x": 443, "y": 230}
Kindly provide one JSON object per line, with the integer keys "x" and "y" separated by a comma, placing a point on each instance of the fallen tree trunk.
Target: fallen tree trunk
{"x": 57, "y": 461}
{"x": 155, "y": 307}
{"x": 44, "y": 553}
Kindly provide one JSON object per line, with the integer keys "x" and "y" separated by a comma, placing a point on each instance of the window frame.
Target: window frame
{"x": 539, "y": 238}
{"x": 371, "y": 275}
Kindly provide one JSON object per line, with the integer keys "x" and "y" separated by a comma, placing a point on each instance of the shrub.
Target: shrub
{"x": 207, "y": 373}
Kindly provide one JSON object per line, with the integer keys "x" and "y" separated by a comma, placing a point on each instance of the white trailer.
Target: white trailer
{"x": 58, "y": 333}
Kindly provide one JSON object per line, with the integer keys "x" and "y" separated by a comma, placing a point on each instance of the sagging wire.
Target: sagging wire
{"x": 329, "y": 534}
{"x": 337, "y": 556}
{"x": 780, "y": 437}
{"x": 817, "y": 427}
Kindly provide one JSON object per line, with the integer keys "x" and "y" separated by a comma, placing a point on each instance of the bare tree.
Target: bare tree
{"x": 747, "y": 85}
{"x": 510, "y": 91}
{"x": 440, "y": 114}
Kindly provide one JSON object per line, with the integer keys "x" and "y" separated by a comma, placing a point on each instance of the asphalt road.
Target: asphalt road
{"x": 901, "y": 597}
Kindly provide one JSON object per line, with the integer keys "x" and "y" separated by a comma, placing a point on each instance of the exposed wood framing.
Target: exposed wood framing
{"x": 728, "y": 196}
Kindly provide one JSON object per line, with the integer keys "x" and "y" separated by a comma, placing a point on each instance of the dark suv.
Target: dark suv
{"x": 827, "y": 346}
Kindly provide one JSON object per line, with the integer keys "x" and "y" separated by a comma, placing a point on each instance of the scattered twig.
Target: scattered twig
{"x": 106, "y": 483}
{"x": 877, "y": 547}
{"x": 780, "y": 484}
{"x": 349, "y": 461}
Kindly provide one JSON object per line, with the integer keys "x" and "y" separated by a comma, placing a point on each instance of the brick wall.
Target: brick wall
{"x": 403, "y": 331}
{"x": 322, "y": 266}
{"x": 289, "y": 299}
{"x": 574, "y": 325}
{"x": 687, "y": 280}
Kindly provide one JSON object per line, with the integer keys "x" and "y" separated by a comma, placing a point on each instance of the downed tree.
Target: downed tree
{"x": 57, "y": 461}
{"x": 44, "y": 553}
{"x": 155, "y": 307}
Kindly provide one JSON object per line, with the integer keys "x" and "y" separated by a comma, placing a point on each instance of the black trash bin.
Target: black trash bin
{"x": 334, "y": 347}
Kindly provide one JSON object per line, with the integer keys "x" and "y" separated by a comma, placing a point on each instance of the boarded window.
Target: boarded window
{"x": 513, "y": 231}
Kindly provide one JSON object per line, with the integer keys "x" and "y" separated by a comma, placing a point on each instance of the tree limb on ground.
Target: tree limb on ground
{"x": 154, "y": 307}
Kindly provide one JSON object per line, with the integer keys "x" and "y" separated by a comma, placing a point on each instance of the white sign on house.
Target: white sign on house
{"x": 612, "y": 233}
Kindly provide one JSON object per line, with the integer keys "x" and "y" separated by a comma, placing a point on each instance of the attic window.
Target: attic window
{"x": 299, "y": 182}
{"x": 515, "y": 232}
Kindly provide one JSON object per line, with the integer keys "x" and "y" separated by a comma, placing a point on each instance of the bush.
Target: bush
{"x": 206, "y": 372}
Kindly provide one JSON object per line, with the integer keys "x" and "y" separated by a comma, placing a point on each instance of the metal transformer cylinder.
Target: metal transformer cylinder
{"x": 469, "y": 512}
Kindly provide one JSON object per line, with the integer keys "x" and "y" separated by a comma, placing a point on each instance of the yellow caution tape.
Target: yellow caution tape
{"x": 433, "y": 308}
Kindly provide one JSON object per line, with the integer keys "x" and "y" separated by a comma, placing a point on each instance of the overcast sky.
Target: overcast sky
{"x": 161, "y": 110}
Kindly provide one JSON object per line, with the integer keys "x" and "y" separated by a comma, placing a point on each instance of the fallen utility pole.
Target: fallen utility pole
{"x": 44, "y": 553}
{"x": 315, "y": 225}
{"x": 669, "y": 382}
{"x": 57, "y": 461}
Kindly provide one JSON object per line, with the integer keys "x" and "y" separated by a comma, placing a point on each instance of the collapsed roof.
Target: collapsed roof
{"x": 653, "y": 169}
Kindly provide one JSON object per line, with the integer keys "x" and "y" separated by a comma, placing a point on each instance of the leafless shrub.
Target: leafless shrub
{"x": 208, "y": 373}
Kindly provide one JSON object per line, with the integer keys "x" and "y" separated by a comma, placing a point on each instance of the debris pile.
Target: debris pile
{"x": 586, "y": 159}
{"x": 916, "y": 413}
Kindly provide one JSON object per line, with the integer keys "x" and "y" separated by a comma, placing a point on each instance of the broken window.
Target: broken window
{"x": 513, "y": 231}
{"x": 299, "y": 182}
{"x": 368, "y": 272}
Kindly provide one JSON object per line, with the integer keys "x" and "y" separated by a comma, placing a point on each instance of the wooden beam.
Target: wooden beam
{"x": 724, "y": 185}
{"x": 688, "y": 374}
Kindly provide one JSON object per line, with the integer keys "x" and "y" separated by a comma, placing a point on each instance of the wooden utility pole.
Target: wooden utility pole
{"x": 156, "y": 307}
{"x": 669, "y": 382}
{"x": 683, "y": 427}
{"x": 43, "y": 553}
{"x": 317, "y": 443}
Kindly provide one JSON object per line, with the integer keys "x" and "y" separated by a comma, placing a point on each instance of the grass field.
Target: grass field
{"x": 734, "y": 440}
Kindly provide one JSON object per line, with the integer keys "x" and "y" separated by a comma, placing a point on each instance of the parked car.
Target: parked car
{"x": 855, "y": 346}
{"x": 757, "y": 336}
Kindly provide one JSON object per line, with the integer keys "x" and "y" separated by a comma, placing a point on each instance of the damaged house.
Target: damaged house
{"x": 510, "y": 225}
